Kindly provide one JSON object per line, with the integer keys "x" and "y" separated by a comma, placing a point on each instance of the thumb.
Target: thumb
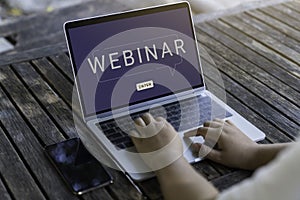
{"x": 134, "y": 134}
{"x": 208, "y": 152}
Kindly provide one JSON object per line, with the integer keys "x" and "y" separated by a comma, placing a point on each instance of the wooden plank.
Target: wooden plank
{"x": 265, "y": 141}
{"x": 273, "y": 134}
{"x": 294, "y": 5}
{"x": 151, "y": 188}
{"x": 251, "y": 69}
{"x": 15, "y": 174}
{"x": 231, "y": 179}
{"x": 242, "y": 7}
{"x": 249, "y": 42}
{"x": 100, "y": 193}
{"x": 62, "y": 61}
{"x": 55, "y": 79}
{"x": 32, "y": 54}
{"x": 272, "y": 32}
{"x": 44, "y": 29}
{"x": 59, "y": 83}
{"x": 45, "y": 128}
{"x": 287, "y": 11}
{"x": 59, "y": 16}
{"x": 206, "y": 169}
{"x": 264, "y": 38}
{"x": 4, "y": 193}
{"x": 263, "y": 103}
{"x": 282, "y": 27}
{"x": 222, "y": 169}
{"x": 237, "y": 42}
{"x": 49, "y": 39}
{"x": 31, "y": 151}
{"x": 56, "y": 108}
{"x": 122, "y": 188}
{"x": 292, "y": 22}
{"x": 48, "y": 24}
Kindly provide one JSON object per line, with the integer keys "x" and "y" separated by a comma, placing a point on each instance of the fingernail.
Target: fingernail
{"x": 134, "y": 133}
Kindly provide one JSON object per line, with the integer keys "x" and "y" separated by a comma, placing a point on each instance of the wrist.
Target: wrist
{"x": 251, "y": 157}
{"x": 267, "y": 152}
{"x": 177, "y": 164}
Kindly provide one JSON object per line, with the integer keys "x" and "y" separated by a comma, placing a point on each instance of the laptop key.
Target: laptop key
{"x": 108, "y": 132}
{"x": 114, "y": 136}
{"x": 128, "y": 144}
{"x": 121, "y": 146}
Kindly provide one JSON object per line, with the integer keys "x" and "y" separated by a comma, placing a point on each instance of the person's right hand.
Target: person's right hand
{"x": 157, "y": 141}
{"x": 234, "y": 148}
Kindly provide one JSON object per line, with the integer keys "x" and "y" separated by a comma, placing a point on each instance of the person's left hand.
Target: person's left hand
{"x": 235, "y": 149}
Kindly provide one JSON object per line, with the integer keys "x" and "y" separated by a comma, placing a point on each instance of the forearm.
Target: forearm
{"x": 267, "y": 152}
{"x": 180, "y": 181}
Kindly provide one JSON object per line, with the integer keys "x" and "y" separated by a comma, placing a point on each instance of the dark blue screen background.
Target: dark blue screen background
{"x": 84, "y": 39}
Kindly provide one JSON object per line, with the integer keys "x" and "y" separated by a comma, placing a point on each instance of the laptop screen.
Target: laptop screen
{"x": 132, "y": 57}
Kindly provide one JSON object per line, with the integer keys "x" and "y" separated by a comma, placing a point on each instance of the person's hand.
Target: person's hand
{"x": 157, "y": 141}
{"x": 234, "y": 149}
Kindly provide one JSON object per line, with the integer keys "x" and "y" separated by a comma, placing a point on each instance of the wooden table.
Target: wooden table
{"x": 257, "y": 53}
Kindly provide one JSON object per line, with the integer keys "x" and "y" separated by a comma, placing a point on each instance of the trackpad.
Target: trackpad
{"x": 188, "y": 153}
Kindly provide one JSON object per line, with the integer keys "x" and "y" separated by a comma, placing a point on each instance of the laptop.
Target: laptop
{"x": 145, "y": 60}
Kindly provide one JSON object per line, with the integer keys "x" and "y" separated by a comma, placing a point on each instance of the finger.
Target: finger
{"x": 136, "y": 140}
{"x": 208, "y": 152}
{"x": 140, "y": 122}
{"x": 198, "y": 132}
{"x": 164, "y": 121}
{"x": 196, "y": 147}
{"x": 219, "y": 120}
{"x": 147, "y": 117}
{"x": 213, "y": 124}
{"x": 214, "y": 155}
{"x": 206, "y": 124}
{"x": 160, "y": 119}
{"x": 134, "y": 134}
{"x": 230, "y": 122}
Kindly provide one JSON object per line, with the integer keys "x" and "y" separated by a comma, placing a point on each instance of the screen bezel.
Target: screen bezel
{"x": 122, "y": 15}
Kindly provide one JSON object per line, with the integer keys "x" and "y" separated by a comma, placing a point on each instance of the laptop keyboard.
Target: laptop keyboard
{"x": 183, "y": 115}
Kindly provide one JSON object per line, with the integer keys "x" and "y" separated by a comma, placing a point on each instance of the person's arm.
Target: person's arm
{"x": 177, "y": 178}
{"x": 180, "y": 181}
{"x": 267, "y": 152}
{"x": 235, "y": 149}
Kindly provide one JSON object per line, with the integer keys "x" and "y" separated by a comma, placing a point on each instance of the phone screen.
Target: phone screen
{"x": 79, "y": 169}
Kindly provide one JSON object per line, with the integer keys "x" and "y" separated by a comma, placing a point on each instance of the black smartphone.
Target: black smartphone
{"x": 78, "y": 168}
